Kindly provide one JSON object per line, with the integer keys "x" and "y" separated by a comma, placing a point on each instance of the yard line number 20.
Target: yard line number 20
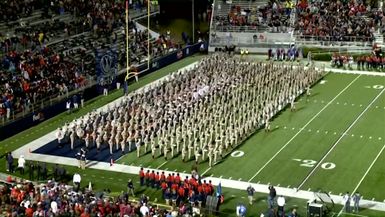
{"x": 312, "y": 163}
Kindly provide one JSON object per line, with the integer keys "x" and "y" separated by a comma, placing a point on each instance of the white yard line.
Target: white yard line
{"x": 292, "y": 138}
{"x": 364, "y": 176}
{"x": 339, "y": 139}
{"x": 205, "y": 171}
{"x": 161, "y": 165}
{"x": 343, "y": 71}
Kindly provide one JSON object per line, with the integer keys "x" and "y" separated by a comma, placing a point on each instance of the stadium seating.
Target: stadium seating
{"x": 48, "y": 56}
{"x": 246, "y": 16}
{"x": 335, "y": 21}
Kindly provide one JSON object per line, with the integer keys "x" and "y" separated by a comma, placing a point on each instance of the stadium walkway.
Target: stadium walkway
{"x": 27, "y": 149}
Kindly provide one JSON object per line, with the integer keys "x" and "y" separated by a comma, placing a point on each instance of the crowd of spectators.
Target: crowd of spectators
{"x": 336, "y": 20}
{"x": 275, "y": 14}
{"x": 24, "y": 198}
{"x": 27, "y": 77}
{"x": 37, "y": 62}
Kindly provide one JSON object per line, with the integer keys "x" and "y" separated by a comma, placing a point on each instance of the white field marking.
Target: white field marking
{"x": 361, "y": 136}
{"x": 379, "y": 138}
{"x": 278, "y": 185}
{"x": 340, "y": 194}
{"x": 232, "y": 195}
{"x": 161, "y": 165}
{"x": 230, "y": 177}
{"x": 166, "y": 169}
{"x": 243, "y": 197}
{"x": 299, "y": 160}
{"x": 366, "y": 173}
{"x": 322, "y": 81}
{"x": 239, "y": 179}
{"x": 220, "y": 177}
{"x": 315, "y": 100}
{"x": 322, "y": 101}
{"x": 345, "y": 103}
{"x": 258, "y": 182}
{"x": 360, "y": 105}
{"x": 317, "y": 131}
{"x": 358, "y": 215}
{"x": 370, "y": 137}
{"x": 335, "y": 133}
{"x": 206, "y": 171}
{"x": 175, "y": 170}
{"x": 184, "y": 171}
{"x": 309, "y": 130}
{"x": 292, "y": 128}
{"x": 284, "y": 127}
{"x": 373, "y": 199}
{"x": 330, "y": 192}
{"x": 309, "y": 189}
{"x": 301, "y": 129}
{"x": 338, "y": 103}
{"x": 377, "y": 106}
{"x": 352, "y": 104}
{"x": 211, "y": 175}
{"x": 339, "y": 139}
{"x": 288, "y": 186}
{"x": 326, "y": 132}
{"x": 149, "y": 166}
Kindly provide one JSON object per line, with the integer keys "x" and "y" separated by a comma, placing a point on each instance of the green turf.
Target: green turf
{"x": 352, "y": 155}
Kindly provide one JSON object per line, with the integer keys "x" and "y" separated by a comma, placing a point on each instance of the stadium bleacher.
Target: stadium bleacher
{"x": 70, "y": 35}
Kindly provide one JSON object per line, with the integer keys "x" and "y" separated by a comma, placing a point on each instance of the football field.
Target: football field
{"x": 333, "y": 141}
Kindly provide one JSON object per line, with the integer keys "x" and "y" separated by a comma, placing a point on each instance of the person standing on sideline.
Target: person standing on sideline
{"x": 271, "y": 197}
{"x": 31, "y": 171}
{"x": 76, "y": 180}
{"x": 78, "y": 158}
{"x": 250, "y": 193}
{"x": 10, "y": 162}
{"x": 38, "y": 169}
{"x": 68, "y": 106}
{"x": 141, "y": 176}
{"x": 356, "y": 200}
{"x": 130, "y": 188}
{"x": 241, "y": 210}
{"x": 21, "y": 164}
{"x": 346, "y": 200}
{"x": 281, "y": 205}
{"x": 83, "y": 159}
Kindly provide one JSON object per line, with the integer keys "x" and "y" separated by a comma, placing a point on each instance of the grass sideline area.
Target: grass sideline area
{"x": 340, "y": 119}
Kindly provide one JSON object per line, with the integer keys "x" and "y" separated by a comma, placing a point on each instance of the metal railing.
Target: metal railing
{"x": 358, "y": 41}
{"x": 247, "y": 41}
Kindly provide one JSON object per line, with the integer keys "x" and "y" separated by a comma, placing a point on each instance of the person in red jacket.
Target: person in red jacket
{"x": 157, "y": 180}
{"x": 147, "y": 177}
{"x": 152, "y": 178}
{"x": 141, "y": 176}
{"x": 177, "y": 179}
